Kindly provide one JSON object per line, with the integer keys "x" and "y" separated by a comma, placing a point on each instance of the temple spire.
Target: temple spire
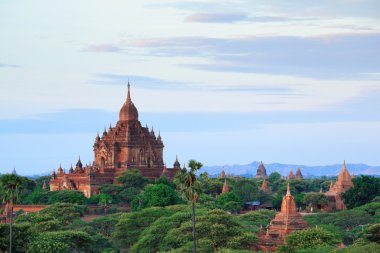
{"x": 129, "y": 93}
{"x": 288, "y": 191}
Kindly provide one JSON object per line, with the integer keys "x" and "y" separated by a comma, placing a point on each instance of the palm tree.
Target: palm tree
{"x": 12, "y": 186}
{"x": 190, "y": 188}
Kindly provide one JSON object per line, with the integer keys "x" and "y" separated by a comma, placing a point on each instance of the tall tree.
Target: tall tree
{"x": 11, "y": 185}
{"x": 190, "y": 189}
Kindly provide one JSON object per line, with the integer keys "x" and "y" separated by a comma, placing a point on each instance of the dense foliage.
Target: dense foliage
{"x": 365, "y": 189}
{"x": 157, "y": 216}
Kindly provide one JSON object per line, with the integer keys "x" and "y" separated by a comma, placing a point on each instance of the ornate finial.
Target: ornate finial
{"x": 267, "y": 233}
{"x": 288, "y": 191}
{"x": 129, "y": 92}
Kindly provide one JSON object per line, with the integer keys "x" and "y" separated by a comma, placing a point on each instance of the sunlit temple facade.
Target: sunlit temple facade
{"x": 127, "y": 145}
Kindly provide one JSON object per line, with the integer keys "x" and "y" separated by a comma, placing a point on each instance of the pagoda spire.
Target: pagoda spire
{"x": 129, "y": 93}
{"x": 288, "y": 191}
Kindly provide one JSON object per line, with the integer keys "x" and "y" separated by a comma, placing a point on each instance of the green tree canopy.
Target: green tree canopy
{"x": 131, "y": 225}
{"x": 64, "y": 212}
{"x": 11, "y": 186}
{"x": 155, "y": 195}
{"x": 132, "y": 178}
{"x": 308, "y": 239}
{"x": 315, "y": 199}
{"x": 229, "y": 202}
{"x": 61, "y": 242}
{"x": 365, "y": 189}
{"x": 246, "y": 189}
{"x": 66, "y": 196}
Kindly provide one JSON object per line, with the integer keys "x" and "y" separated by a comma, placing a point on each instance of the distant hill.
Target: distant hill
{"x": 249, "y": 170}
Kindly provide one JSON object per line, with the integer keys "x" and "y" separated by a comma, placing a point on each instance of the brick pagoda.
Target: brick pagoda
{"x": 343, "y": 183}
{"x": 261, "y": 171}
{"x": 285, "y": 222}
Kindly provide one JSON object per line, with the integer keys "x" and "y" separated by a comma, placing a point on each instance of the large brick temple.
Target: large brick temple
{"x": 128, "y": 145}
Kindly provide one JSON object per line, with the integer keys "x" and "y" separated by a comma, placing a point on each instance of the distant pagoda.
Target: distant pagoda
{"x": 291, "y": 175}
{"x": 261, "y": 171}
{"x": 222, "y": 174}
{"x": 299, "y": 174}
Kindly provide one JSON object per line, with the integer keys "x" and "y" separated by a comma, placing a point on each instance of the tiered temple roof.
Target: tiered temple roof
{"x": 285, "y": 222}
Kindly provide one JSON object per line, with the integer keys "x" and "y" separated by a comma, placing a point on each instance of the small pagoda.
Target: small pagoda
{"x": 261, "y": 171}
{"x": 285, "y": 222}
{"x": 291, "y": 175}
{"x": 299, "y": 174}
{"x": 222, "y": 174}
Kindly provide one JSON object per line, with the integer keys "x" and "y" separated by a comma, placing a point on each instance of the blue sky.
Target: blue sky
{"x": 226, "y": 82}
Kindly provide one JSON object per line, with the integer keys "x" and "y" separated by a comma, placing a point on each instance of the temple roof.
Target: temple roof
{"x": 176, "y": 163}
{"x": 79, "y": 163}
{"x": 344, "y": 181}
{"x": 128, "y": 111}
